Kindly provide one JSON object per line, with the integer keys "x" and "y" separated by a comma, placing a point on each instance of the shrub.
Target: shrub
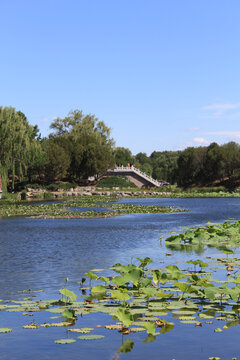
{"x": 115, "y": 181}
{"x": 24, "y": 195}
{"x": 47, "y": 196}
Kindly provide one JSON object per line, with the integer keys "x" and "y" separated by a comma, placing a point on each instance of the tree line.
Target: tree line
{"x": 199, "y": 166}
{"x": 81, "y": 146}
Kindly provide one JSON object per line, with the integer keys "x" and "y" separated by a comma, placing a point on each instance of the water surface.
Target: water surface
{"x": 41, "y": 253}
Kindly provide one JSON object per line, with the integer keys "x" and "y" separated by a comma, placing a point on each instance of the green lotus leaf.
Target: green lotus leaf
{"x": 5, "y": 330}
{"x": 156, "y": 276}
{"x": 91, "y": 275}
{"x": 114, "y": 326}
{"x": 184, "y": 287}
{"x": 57, "y": 310}
{"x": 97, "y": 270}
{"x": 148, "y": 318}
{"x": 210, "y": 314}
{"x": 68, "y": 293}
{"x": 125, "y": 316}
{"x": 174, "y": 239}
{"x": 198, "y": 262}
{"x": 231, "y": 323}
{"x": 59, "y": 324}
{"x": 137, "y": 329}
{"x": 119, "y": 280}
{"x": 149, "y": 292}
{"x": 133, "y": 276}
{"x": 163, "y": 294}
{"x": 90, "y": 337}
{"x": 184, "y": 312}
{"x": 150, "y": 327}
{"x": 98, "y": 289}
{"x": 210, "y": 292}
{"x": 218, "y": 330}
{"x": 64, "y": 341}
{"x": 18, "y": 309}
{"x": 157, "y": 313}
{"x": 119, "y": 295}
{"x": 144, "y": 262}
{"x": 104, "y": 279}
{"x": 225, "y": 250}
{"x": 185, "y": 318}
{"x": 145, "y": 282}
{"x": 69, "y": 314}
{"x": 82, "y": 330}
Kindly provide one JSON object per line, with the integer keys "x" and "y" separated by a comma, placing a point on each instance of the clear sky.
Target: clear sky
{"x": 162, "y": 74}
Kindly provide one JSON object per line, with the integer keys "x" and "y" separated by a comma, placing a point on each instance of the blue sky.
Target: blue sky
{"x": 162, "y": 74}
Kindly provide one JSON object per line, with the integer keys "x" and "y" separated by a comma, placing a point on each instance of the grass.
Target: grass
{"x": 115, "y": 181}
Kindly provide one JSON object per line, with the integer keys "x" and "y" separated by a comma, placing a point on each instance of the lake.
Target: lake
{"x": 40, "y": 253}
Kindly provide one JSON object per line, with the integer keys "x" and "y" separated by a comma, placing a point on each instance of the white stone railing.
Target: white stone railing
{"x": 138, "y": 172}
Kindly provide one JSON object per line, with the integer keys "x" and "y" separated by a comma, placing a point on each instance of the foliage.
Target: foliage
{"x": 223, "y": 236}
{"x": 87, "y": 141}
{"x": 123, "y": 156}
{"x": 204, "y": 165}
{"x": 24, "y": 195}
{"x": 65, "y": 209}
{"x": 58, "y": 161}
{"x": 183, "y": 297}
{"x": 19, "y": 147}
{"x": 115, "y": 181}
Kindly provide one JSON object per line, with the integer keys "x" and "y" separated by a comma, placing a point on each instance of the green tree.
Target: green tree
{"x": 18, "y": 145}
{"x": 191, "y": 165}
{"x": 214, "y": 162}
{"x": 123, "y": 156}
{"x": 231, "y": 159}
{"x": 58, "y": 161}
{"x": 165, "y": 165}
{"x": 88, "y": 141}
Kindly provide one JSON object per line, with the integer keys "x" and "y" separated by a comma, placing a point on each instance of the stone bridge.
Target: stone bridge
{"x": 136, "y": 176}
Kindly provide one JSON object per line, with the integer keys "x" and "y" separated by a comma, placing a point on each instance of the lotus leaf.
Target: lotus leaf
{"x": 69, "y": 294}
{"x": 125, "y": 316}
{"x": 120, "y": 295}
{"x": 64, "y": 341}
{"x": 90, "y": 337}
{"x": 137, "y": 329}
{"x": 5, "y": 330}
{"x": 114, "y": 326}
{"x": 150, "y": 327}
{"x": 31, "y": 326}
{"x": 82, "y": 330}
{"x": 98, "y": 289}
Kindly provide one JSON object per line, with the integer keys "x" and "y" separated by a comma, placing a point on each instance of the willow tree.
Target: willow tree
{"x": 18, "y": 146}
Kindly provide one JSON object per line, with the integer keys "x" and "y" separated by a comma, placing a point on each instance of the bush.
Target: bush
{"x": 115, "y": 181}
{"x": 47, "y": 196}
{"x": 24, "y": 195}
{"x": 61, "y": 186}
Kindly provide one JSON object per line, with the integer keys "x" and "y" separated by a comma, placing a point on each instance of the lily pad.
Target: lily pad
{"x": 64, "y": 341}
{"x": 82, "y": 330}
{"x": 90, "y": 337}
{"x": 5, "y": 330}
